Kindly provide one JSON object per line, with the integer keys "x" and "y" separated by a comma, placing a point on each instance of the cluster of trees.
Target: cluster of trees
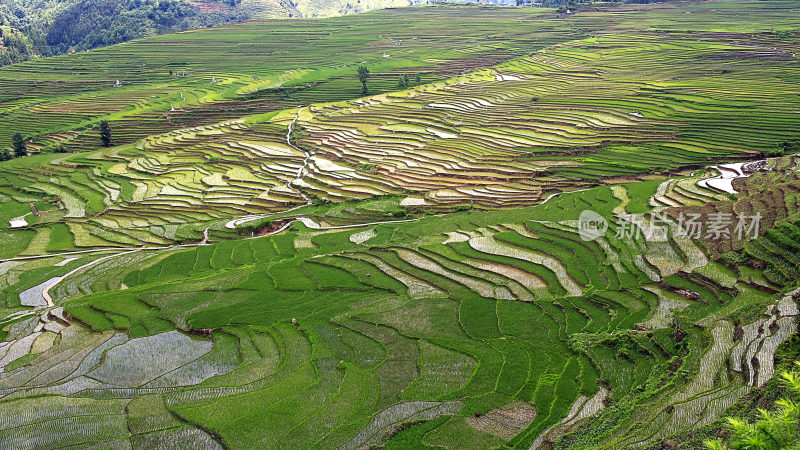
{"x": 19, "y": 147}
{"x": 404, "y": 81}
{"x": 96, "y": 23}
{"x": 14, "y": 46}
{"x": 89, "y": 24}
{"x": 791, "y": 147}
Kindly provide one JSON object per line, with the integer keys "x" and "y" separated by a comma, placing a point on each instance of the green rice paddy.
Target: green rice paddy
{"x": 274, "y": 260}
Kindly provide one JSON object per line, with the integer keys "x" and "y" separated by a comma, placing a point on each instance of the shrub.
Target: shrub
{"x": 253, "y": 226}
{"x": 105, "y": 133}
{"x": 791, "y": 147}
{"x": 18, "y": 144}
{"x": 775, "y": 429}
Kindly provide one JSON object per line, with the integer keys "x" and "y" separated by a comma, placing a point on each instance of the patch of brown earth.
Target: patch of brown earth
{"x": 505, "y": 422}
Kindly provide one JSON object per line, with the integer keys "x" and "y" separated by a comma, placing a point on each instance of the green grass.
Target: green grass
{"x": 316, "y": 337}
{"x": 60, "y": 238}
{"x": 640, "y": 193}
{"x": 15, "y": 242}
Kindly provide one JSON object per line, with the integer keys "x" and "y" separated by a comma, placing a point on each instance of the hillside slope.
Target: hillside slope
{"x": 33, "y": 28}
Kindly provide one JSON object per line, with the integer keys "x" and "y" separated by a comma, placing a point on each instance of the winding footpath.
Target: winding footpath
{"x": 289, "y": 143}
{"x": 289, "y": 184}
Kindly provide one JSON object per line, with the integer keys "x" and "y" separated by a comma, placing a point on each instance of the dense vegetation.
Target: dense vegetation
{"x": 16, "y": 46}
{"x": 774, "y": 429}
{"x": 368, "y": 231}
{"x": 97, "y": 23}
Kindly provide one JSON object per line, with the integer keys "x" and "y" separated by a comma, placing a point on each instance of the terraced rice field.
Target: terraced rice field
{"x": 507, "y": 136}
{"x": 206, "y": 76}
{"x": 302, "y": 267}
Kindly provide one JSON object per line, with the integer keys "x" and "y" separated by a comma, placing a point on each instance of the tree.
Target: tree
{"x": 791, "y": 147}
{"x": 363, "y": 74}
{"x": 401, "y": 83}
{"x": 5, "y": 155}
{"x": 18, "y": 143}
{"x": 418, "y": 78}
{"x": 105, "y": 133}
{"x": 774, "y": 429}
{"x": 405, "y": 80}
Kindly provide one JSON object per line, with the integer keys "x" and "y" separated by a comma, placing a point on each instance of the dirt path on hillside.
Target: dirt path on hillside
{"x": 249, "y": 218}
